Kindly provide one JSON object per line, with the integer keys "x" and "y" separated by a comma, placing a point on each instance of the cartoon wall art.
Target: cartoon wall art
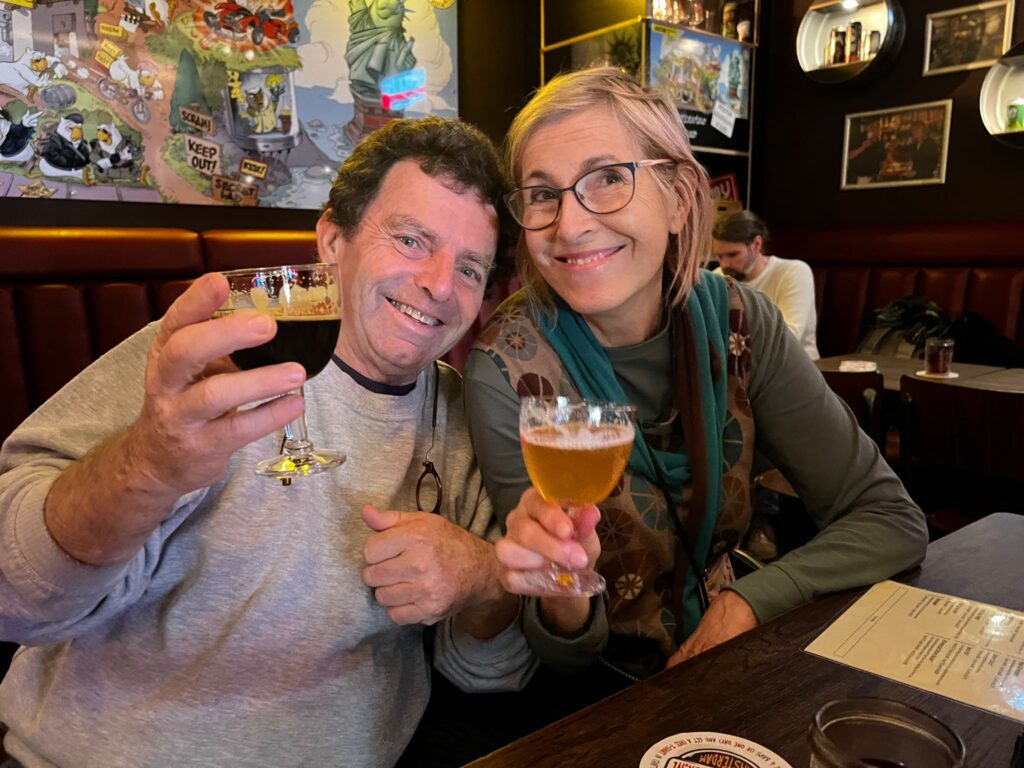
{"x": 216, "y": 102}
{"x": 701, "y": 73}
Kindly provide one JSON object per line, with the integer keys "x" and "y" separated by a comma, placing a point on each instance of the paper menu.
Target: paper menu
{"x": 961, "y": 649}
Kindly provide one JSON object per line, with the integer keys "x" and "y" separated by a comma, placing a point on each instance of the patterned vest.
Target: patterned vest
{"x": 639, "y": 544}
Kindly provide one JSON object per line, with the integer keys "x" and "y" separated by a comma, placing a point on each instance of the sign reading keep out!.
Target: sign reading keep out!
{"x": 203, "y": 156}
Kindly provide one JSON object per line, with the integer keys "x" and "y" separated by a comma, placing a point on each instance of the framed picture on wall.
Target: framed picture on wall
{"x": 897, "y": 147}
{"x": 970, "y": 37}
{"x": 211, "y": 102}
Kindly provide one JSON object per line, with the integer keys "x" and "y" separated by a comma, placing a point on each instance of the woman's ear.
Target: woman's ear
{"x": 330, "y": 240}
{"x": 677, "y": 211}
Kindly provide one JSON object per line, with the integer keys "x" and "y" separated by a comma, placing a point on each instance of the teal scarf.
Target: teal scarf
{"x": 591, "y": 372}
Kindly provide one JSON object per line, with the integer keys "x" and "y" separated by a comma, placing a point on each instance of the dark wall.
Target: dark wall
{"x": 799, "y": 145}
{"x": 498, "y": 67}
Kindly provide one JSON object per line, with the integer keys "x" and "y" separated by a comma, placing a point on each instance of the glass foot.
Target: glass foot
{"x": 558, "y": 581}
{"x": 300, "y": 464}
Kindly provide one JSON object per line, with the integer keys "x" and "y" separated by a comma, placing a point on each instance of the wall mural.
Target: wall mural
{"x": 210, "y": 101}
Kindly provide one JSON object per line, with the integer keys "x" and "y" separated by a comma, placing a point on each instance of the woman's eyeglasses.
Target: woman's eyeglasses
{"x": 607, "y": 189}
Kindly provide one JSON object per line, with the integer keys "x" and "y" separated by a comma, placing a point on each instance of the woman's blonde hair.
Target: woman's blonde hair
{"x": 654, "y": 122}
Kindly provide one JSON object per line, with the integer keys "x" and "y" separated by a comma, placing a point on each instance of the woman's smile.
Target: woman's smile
{"x": 588, "y": 259}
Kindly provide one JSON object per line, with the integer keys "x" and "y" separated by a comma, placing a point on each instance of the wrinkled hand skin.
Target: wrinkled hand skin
{"x": 728, "y": 616}
{"x": 422, "y": 568}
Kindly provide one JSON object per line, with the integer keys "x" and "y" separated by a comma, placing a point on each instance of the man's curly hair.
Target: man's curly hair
{"x": 453, "y": 151}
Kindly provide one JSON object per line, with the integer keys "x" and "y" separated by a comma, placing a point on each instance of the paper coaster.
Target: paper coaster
{"x": 926, "y": 375}
{"x": 704, "y": 748}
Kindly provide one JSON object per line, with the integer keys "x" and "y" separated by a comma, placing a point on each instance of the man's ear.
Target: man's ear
{"x": 757, "y": 244}
{"x": 330, "y": 240}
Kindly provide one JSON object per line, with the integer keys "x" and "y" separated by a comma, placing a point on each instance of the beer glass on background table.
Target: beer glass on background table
{"x": 305, "y": 301}
{"x": 575, "y": 453}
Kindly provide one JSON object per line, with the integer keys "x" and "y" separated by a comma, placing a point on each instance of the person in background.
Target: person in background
{"x": 739, "y": 243}
{"x": 924, "y": 152}
{"x": 864, "y": 162}
{"x": 179, "y": 610}
{"x": 615, "y": 212}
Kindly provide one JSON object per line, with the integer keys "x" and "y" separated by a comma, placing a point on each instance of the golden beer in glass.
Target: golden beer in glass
{"x": 575, "y": 453}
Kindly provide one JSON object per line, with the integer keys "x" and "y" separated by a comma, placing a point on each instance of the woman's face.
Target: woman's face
{"x": 607, "y": 266}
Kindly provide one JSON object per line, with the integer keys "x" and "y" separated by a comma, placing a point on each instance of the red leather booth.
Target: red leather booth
{"x": 978, "y": 266}
{"x": 69, "y": 295}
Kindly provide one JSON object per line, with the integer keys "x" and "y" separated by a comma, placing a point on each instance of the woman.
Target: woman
{"x": 616, "y": 227}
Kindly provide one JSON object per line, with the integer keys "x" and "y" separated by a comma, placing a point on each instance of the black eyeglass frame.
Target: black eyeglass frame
{"x": 560, "y": 193}
{"x": 428, "y": 465}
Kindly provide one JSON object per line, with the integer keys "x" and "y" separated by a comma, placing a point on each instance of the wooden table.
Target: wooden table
{"x": 761, "y": 686}
{"x": 1005, "y": 380}
{"x": 892, "y": 368}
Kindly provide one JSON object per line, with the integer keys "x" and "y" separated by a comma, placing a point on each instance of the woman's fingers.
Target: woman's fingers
{"x": 531, "y": 535}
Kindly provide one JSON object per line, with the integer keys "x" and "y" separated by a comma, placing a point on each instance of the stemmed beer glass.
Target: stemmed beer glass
{"x": 575, "y": 453}
{"x": 305, "y": 301}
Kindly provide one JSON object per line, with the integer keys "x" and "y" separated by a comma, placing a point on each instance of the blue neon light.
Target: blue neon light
{"x": 410, "y": 80}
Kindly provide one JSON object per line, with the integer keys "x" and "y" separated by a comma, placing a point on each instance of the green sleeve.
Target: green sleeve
{"x": 492, "y": 410}
{"x": 869, "y": 528}
{"x": 492, "y": 407}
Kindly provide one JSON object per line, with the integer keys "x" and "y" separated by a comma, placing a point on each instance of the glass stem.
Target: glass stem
{"x": 296, "y": 439}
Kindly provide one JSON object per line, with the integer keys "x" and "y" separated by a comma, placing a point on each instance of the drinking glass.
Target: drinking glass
{"x": 575, "y": 453}
{"x": 938, "y": 356}
{"x": 305, "y": 301}
{"x": 880, "y": 733}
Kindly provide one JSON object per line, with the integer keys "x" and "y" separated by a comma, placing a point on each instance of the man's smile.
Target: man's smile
{"x": 414, "y": 313}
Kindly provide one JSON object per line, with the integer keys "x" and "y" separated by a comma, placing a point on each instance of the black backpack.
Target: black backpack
{"x": 901, "y": 327}
{"x": 977, "y": 341}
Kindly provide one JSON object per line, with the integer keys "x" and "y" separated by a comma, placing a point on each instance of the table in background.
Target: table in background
{"x": 892, "y": 368}
{"x": 761, "y": 686}
{"x": 1005, "y": 380}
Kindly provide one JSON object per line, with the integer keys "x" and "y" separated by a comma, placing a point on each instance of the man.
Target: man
{"x": 924, "y": 152}
{"x": 184, "y": 611}
{"x": 865, "y": 161}
{"x": 739, "y": 241}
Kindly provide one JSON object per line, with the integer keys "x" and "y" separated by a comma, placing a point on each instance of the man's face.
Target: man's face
{"x": 412, "y": 275}
{"x": 736, "y": 259}
{"x": 917, "y": 131}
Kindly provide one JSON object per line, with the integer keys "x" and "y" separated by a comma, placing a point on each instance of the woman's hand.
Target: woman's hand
{"x": 539, "y": 532}
{"x": 728, "y": 616}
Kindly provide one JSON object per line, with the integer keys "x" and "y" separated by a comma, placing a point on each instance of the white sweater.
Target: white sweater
{"x": 789, "y": 283}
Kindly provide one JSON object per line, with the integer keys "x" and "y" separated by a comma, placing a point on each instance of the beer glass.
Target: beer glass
{"x": 880, "y": 733}
{"x": 938, "y": 356}
{"x": 305, "y": 301}
{"x": 575, "y": 453}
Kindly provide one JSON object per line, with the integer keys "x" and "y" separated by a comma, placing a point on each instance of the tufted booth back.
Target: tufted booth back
{"x": 69, "y": 295}
{"x": 977, "y": 266}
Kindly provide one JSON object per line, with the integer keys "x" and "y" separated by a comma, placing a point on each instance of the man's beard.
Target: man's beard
{"x": 741, "y": 276}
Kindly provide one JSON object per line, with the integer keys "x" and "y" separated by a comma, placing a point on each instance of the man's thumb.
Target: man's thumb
{"x": 380, "y": 519}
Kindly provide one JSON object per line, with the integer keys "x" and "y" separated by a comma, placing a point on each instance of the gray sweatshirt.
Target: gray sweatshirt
{"x": 242, "y": 633}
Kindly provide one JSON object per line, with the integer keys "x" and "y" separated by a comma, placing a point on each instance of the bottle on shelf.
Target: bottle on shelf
{"x": 729, "y": 12}
{"x": 835, "y": 53}
{"x": 853, "y": 42}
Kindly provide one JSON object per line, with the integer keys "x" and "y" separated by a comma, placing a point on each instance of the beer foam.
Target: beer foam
{"x": 580, "y": 437}
{"x": 312, "y": 303}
